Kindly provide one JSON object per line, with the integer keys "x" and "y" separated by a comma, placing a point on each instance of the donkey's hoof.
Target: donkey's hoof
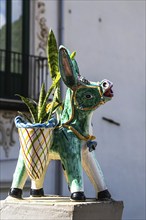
{"x": 105, "y": 196}
{"x": 78, "y": 196}
{"x": 37, "y": 192}
{"x": 15, "y": 193}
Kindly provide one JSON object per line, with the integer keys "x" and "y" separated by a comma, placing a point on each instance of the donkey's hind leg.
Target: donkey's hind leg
{"x": 19, "y": 178}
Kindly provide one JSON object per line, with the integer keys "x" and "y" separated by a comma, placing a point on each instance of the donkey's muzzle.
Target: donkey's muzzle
{"x": 107, "y": 88}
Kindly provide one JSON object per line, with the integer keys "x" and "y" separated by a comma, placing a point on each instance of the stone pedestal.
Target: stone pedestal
{"x": 57, "y": 208}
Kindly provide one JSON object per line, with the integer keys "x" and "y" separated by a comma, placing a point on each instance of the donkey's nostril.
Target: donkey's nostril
{"x": 104, "y": 84}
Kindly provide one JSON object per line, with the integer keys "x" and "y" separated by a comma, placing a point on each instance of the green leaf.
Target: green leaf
{"x": 44, "y": 104}
{"x": 32, "y": 109}
{"x": 41, "y": 112}
{"x": 53, "y": 56}
{"x": 25, "y": 116}
{"x": 53, "y": 103}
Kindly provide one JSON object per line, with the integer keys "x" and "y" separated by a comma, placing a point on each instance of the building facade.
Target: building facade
{"x": 109, "y": 37}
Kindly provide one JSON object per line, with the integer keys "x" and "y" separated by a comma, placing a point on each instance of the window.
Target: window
{"x": 16, "y": 26}
{"x": 2, "y": 24}
{"x": 14, "y": 47}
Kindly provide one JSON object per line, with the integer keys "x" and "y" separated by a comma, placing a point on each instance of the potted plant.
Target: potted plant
{"x": 36, "y": 130}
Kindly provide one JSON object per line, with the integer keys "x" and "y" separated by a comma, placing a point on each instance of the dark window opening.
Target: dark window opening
{"x": 14, "y": 48}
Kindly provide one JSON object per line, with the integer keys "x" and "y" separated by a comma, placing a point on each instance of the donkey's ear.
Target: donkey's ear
{"x": 67, "y": 68}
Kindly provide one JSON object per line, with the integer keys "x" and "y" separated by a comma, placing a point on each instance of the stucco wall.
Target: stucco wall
{"x": 9, "y": 150}
{"x": 109, "y": 37}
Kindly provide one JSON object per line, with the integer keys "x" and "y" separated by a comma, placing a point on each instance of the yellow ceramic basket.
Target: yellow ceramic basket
{"x": 35, "y": 143}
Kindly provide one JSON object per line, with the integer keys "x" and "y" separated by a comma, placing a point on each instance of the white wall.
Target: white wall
{"x": 109, "y": 37}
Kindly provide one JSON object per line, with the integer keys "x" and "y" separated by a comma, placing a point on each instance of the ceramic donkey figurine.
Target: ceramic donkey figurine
{"x": 72, "y": 141}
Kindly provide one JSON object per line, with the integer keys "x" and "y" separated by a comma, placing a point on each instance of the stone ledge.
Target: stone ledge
{"x": 57, "y": 208}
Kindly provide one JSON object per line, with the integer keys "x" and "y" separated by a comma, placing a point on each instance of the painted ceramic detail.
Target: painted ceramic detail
{"x": 72, "y": 142}
{"x": 35, "y": 140}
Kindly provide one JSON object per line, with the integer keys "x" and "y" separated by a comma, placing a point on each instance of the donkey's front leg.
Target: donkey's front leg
{"x": 72, "y": 164}
{"x": 94, "y": 172}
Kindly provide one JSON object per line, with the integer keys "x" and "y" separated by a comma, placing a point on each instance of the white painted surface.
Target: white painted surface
{"x": 109, "y": 37}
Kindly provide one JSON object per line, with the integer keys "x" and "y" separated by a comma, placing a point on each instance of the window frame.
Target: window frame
{"x": 11, "y": 80}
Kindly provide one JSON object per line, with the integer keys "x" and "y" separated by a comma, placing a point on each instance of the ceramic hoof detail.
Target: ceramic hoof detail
{"x": 15, "y": 193}
{"x": 37, "y": 192}
{"x": 78, "y": 196}
{"x": 104, "y": 196}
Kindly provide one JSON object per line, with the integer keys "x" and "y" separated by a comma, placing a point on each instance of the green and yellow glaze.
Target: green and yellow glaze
{"x": 72, "y": 134}
{"x": 82, "y": 98}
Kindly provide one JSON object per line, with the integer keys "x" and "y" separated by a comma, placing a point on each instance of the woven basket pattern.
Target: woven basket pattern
{"x": 35, "y": 144}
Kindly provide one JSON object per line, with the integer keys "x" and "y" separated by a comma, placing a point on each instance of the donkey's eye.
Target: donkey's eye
{"x": 89, "y": 96}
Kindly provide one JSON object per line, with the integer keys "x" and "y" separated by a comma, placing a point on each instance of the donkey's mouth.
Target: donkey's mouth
{"x": 109, "y": 92}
